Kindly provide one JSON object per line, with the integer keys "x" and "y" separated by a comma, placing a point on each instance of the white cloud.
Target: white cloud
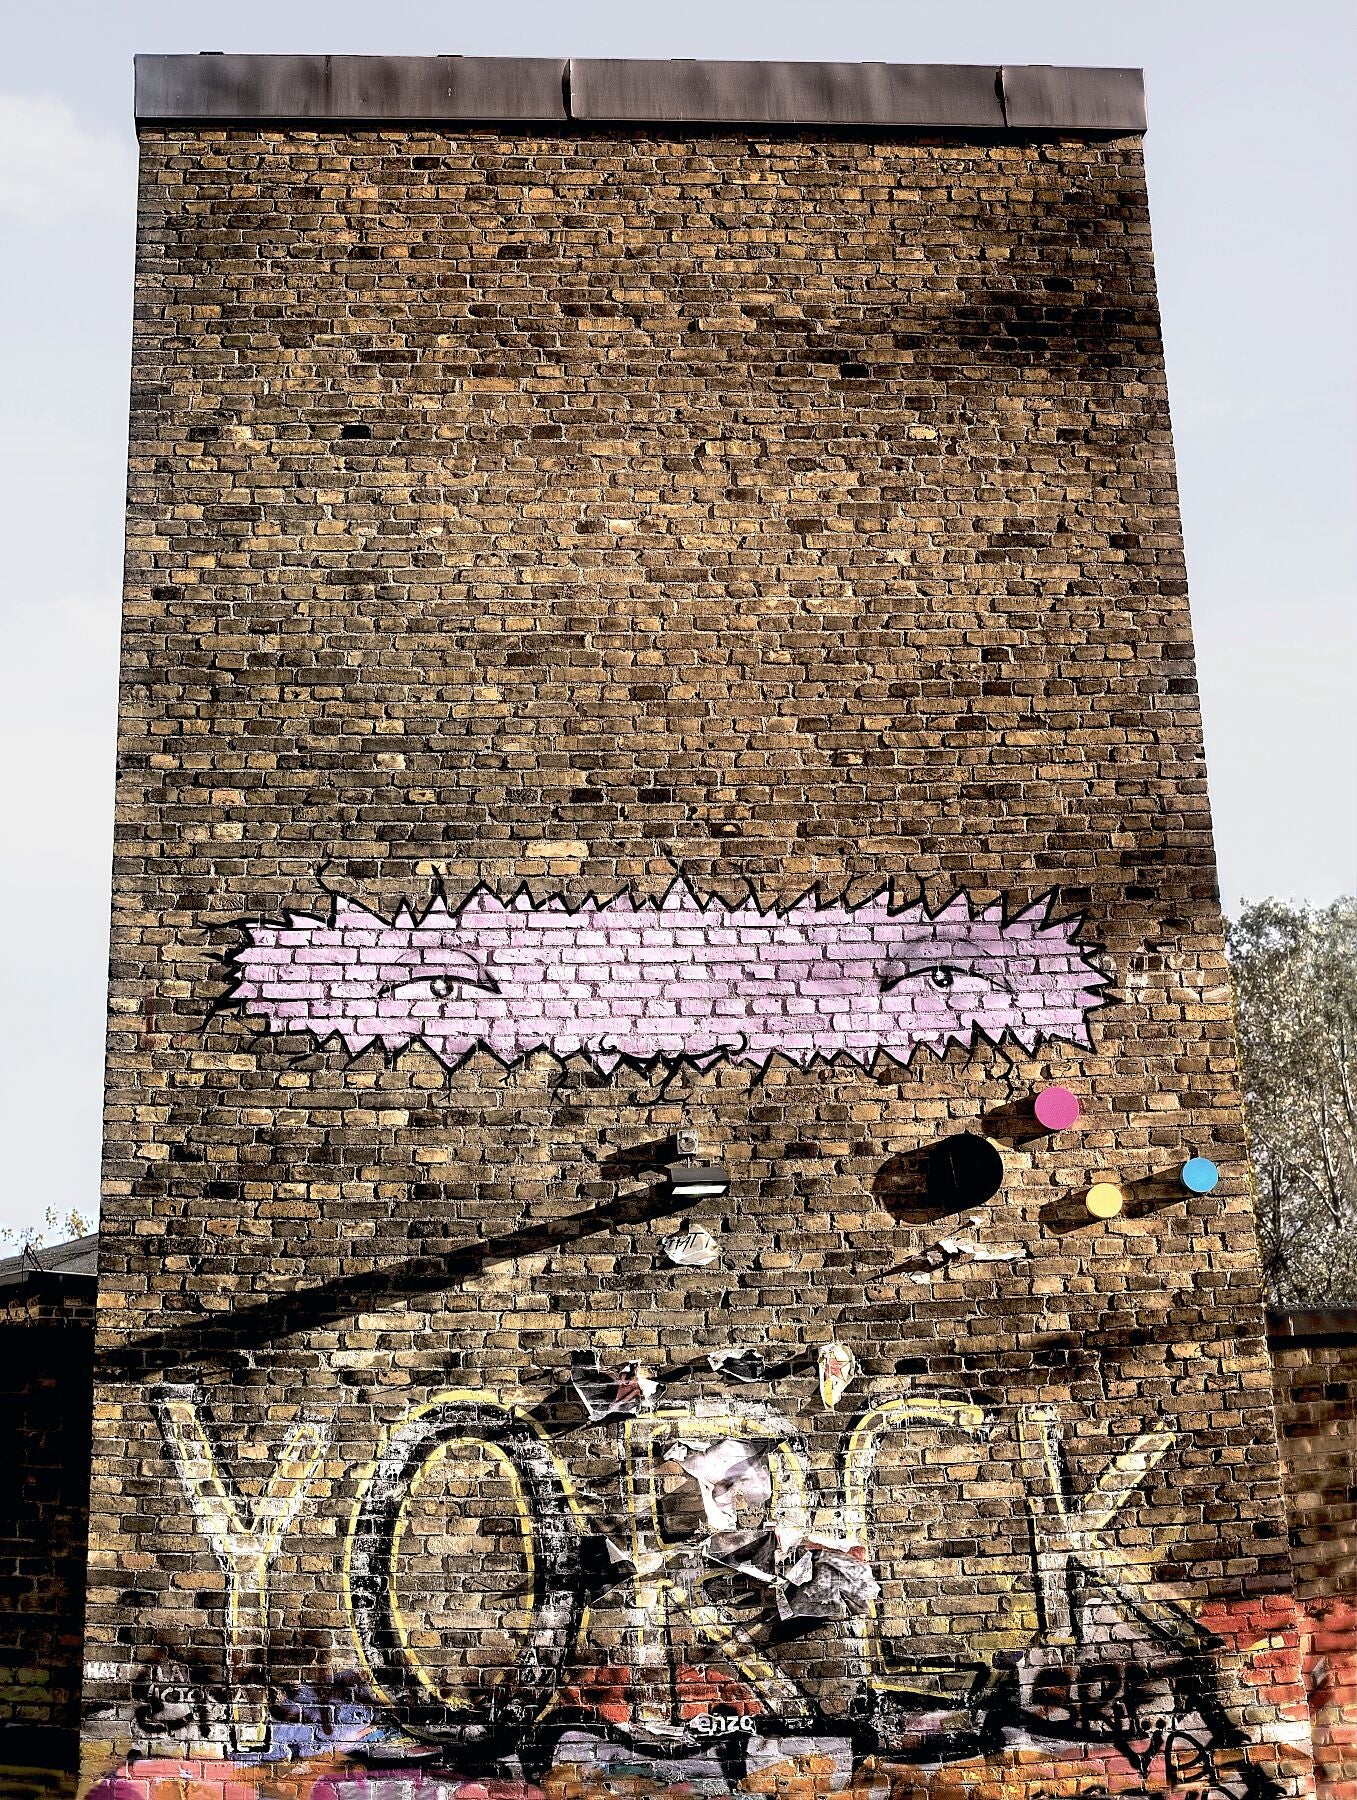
{"x": 52, "y": 168}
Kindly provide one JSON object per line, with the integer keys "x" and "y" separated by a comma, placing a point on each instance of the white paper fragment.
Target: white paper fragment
{"x": 739, "y": 1363}
{"x": 937, "y": 1258}
{"x": 611, "y": 1393}
{"x": 727, "y": 1473}
{"x": 825, "y": 1578}
{"x": 605, "y": 1563}
{"x": 694, "y": 1249}
{"x": 750, "y": 1553}
{"x": 837, "y": 1366}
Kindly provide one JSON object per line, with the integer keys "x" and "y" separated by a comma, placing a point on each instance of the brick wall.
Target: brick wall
{"x": 46, "y": 1367}
{"x": 1314, "y": 1359}
{"x": 518, "y": 522}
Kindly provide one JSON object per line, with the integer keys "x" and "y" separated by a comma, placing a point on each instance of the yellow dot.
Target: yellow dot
{"x": 1104, "y": 1199}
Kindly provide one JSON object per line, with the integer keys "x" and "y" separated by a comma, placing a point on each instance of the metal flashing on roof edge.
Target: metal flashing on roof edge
{"x": 359, "y": 89}
{"x": 1311, "y": 1325}
{"x": 618, "y": 91}
{"x": 394, "y": 90}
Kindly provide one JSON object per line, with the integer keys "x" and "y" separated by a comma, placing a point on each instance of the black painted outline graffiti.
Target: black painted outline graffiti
{"x": 527, "y": 1689}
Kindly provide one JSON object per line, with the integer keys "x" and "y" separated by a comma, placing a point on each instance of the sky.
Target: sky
{"x": 1253, "y": 198}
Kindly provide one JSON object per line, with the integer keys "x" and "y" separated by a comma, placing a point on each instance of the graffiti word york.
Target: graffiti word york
{"x": 811, "y": 1553}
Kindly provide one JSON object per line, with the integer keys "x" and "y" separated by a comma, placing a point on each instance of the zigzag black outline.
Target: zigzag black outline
{"x": 707, "y": 1061}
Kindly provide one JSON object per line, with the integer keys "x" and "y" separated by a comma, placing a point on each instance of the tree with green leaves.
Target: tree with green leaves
{"x": 1295, "y": 979}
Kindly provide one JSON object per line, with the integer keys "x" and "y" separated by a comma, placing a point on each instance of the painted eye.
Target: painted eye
{"x": 441, "y": 987}
{"x": 944, "y": 978}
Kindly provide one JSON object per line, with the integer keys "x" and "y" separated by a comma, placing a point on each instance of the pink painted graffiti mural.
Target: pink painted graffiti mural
{"x": 683, "y": 978}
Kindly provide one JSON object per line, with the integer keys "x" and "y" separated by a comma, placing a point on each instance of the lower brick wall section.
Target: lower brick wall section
{"x": 45, "y": 1377}
{"x": 1315, "y": 1382}
{"x": 1162, "y": 1730}
{"x": 46, "y": 1372}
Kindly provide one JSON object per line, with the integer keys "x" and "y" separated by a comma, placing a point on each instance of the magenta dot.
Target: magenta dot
{"x": 1057, "y": 1108}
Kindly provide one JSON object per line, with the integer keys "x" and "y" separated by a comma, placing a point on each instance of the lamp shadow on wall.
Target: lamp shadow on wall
{"x": 247, "y": 1328}
{"x": 640, "y": 1160}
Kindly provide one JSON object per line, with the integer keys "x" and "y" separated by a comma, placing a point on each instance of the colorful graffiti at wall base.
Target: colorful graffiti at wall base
{"x": 1119, "y": 1693}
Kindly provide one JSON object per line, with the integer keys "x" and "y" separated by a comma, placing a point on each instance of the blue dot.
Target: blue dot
{"x": 1200, "y": 1174}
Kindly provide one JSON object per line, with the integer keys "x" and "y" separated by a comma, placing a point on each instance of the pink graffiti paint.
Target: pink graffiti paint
{"x": 680, "y": 978}
{"x": 313, "y": 1778}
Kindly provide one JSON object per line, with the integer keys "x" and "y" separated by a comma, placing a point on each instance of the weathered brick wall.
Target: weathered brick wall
{"x": 1314, "y": 1366}
{"x": 559, "y": 512}
{"x": 46, "y": 1362}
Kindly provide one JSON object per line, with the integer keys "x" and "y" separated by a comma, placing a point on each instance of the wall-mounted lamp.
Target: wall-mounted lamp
{"x": 697, "y": 1181}
{"x": 691, "y": 1179}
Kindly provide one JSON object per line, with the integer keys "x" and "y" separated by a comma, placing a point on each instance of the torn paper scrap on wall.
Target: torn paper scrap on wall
{"x": 604, "y": 1564}
{"x": 750, "y": 1553}
{"x": 610, "y": 1393}
{"x": 826, "y": 1580}
{"x": 729, "y": 1475}
{"x": 694, "y": 1248}
{"x": 936, "y": 1258}
{"x": 737, "y": 1364}
{"x": 807, "y": 1578}
{"x": 837, "y": 1367}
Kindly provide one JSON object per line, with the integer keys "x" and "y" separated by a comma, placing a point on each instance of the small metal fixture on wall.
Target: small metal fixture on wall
{"x": 691, "y": 1179}
{"x": 698, "y": 1181}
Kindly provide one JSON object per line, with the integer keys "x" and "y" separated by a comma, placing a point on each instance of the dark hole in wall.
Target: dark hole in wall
{"x": 935, "y": 1181}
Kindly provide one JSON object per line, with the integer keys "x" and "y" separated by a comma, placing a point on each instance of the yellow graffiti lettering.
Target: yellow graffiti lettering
{"x": 859, "y": 1461}
{"x": 245, "y": 1534}
{"x": 1067, "y": 1531}
{"x": 524, "y": 1520}
{"x": 549, "y": 1523}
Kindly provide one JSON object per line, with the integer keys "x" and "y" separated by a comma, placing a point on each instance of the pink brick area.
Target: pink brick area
{"x": 685, "y": 978}
{"x": 179, "y": 1778}
{"x": 320, "y": 1778}
{"x": 1329, "y": 1640}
